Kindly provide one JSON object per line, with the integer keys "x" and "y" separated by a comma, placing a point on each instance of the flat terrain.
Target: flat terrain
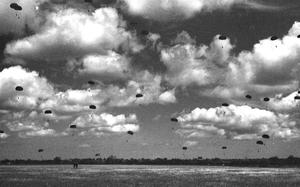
{"x": 124, "y": 175}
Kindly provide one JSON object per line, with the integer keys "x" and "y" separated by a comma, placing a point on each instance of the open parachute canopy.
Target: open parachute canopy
{"x": 224, "y": 147}
{"x": 248, "y": 96}
{"x": 130, "y": 132}
{"x": 274, "y": 38}
{"x": 15, "y": 6}
{"x": 48, "y": 112}
{"x": 174, "y": 119}
{"x": 184, "y": 148}
{"x": 1, "y": 132}
{"x": 266, "y": 99}
{"x": 73, "y": 126}
{"x": 93, "y": 107}
{"x": 19, "y": 88}
{"x": 222, "y": 37}
{"x": 259, "y": 142}
{"x": 225, "y": 104}
{"x": 265, "y": 136}
{"x": 139, "y": 95}
{"x": 40, "y": 150}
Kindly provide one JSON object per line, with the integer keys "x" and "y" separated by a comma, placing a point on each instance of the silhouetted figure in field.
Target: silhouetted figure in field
{"x": 75, "y": 165}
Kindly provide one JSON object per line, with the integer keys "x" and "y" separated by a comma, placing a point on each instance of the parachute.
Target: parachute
{"x": 73, "y": 126}
{"x": 48, "y": 112}
{"x": 40, "y": 150}
{"x": 266, "y": 99}
{"x": 297, "y": 97}
{"x": 298, "y": 36}
{"x": 15, "y": 6}
{"x": 259, "y": 142}
{"x": 1, "y": 132}
{"x": 265, "y": 136}
{"x": 184, "y": 148}
{"x": 90, "y": 82}
{"x": 93, "y": 107}
{"x": 88, "y": 1}
{"x": 19, "y": 88}
{"x": 97, "y": 154}
{"x": 274, "y": 38}
{"x": 174, "y": 119}
{"x": 130, "y": 132}
{"x": 224, "y": 147}
{"x": 225, "y": 104}
{"x": 222, "y": 37}
{"x": 248, "y": 96}
{"x": 138, "y": 95}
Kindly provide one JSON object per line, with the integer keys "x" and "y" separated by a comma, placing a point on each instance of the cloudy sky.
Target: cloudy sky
{"x": 186, "y": 58}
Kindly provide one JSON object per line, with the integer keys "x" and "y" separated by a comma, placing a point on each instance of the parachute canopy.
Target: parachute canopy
{"x": 130, "y": 132}
{"x": 274, "y": 38}
{"x": 184, "y": 148}
{"x": 248, "y": 96}
{"x": 19, "y": 88}
{"x": 93, "y": 107}
{"x": 174, "y": 119}
{"x": 298, "y": 36}
{"x": 297, "y": 97}
{"x": 15, "y": 6}
{"x": 73, "y": 126}
{"x": 266, "y": 99}
{"x": 40, "y": 150}
{"x": 138, "y": 95}
{"x": 259, "y": 142}
{"x": 222, "y": 37}
{"x": 97, "y": 154}
{"x": 265, "y": 136}
{"x": 90, "y": 82}
{"x": 48, "y": 112}
{"x": 225, "y": 104}
{"x": 88, "y": 1}
{"x": 1, "y": 132}
{"x": 224, "y": 147}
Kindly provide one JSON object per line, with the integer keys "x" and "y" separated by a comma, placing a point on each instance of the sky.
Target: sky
{"x": 187, "y": 59}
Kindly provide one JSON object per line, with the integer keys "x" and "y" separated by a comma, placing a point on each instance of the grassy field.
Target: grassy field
{"x": 117, "y": 175}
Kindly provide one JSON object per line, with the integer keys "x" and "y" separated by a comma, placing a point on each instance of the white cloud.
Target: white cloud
{"x": 35, "y": 88}
{"x": 285, "y": 103}
{"x": 70, "y": 33}
{"x": 188, "y": 64}
{"x": 4, "y": 136}
{"x": 167, "y": 97}
{"x": 110, "y": 66}
{"x": 165, "y": 9}
{"x": 105, "y": 124}
{"x": 28, "y": 124}
{"x": 236, "y": 122}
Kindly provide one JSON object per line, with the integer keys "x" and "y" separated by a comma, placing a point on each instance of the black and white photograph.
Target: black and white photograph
{"x": 150, "y": 93}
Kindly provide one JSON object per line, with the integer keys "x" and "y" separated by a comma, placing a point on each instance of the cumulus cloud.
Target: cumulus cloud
{"x": 71, "y": 33}
{"x": 285, "y": 103}
{"x": 4, "y": 136}
{"x": 28, "y": 124}
{"x": 105, "y": 123}
{"x": 188, "y": 64}
{"x": 236, "y": 122}
{"x": 110, "y": 66}
{"x": 35, "y": 88}
{"x": 167, "y": 97}
{"x": 165, "y": 9}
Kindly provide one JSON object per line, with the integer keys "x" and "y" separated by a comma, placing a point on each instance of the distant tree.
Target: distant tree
{"x": 57, "y": 160}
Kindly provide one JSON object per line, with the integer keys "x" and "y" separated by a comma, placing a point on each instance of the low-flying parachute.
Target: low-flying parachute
{"x": 73, "y": 126}
{"x": 274, "y": 38}
{"x": 93, "y": 107}
{"x": 224, "y": 147}
{"x": 259, "y": 142}
{"x": 48, "y": 112}
{"x": 130, "y": 132}
{"x": 297, "y": 97}
{"x": 298, "y": 91}
{"x": 19, "y": 88}
{"x": 298, "y": 36}
{"x": 225, "y": 104}
{"x": 90, "y": 82}
{"x": 222, "y": 37}
{"x": 15, "y": 6}
{"x": 184, "y": 148}
{"x": 266, "y": 99}
{"x": 40, "y": 150}
{"x": 265, "y": 136}
{"x": 174, "y": 119}
{"x": 1, "y": 132}
{"x": 248, "y": 96}
{"x": 139, "y": 95}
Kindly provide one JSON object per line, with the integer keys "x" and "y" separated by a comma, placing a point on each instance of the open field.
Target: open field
{"x": 124, "y": 175}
